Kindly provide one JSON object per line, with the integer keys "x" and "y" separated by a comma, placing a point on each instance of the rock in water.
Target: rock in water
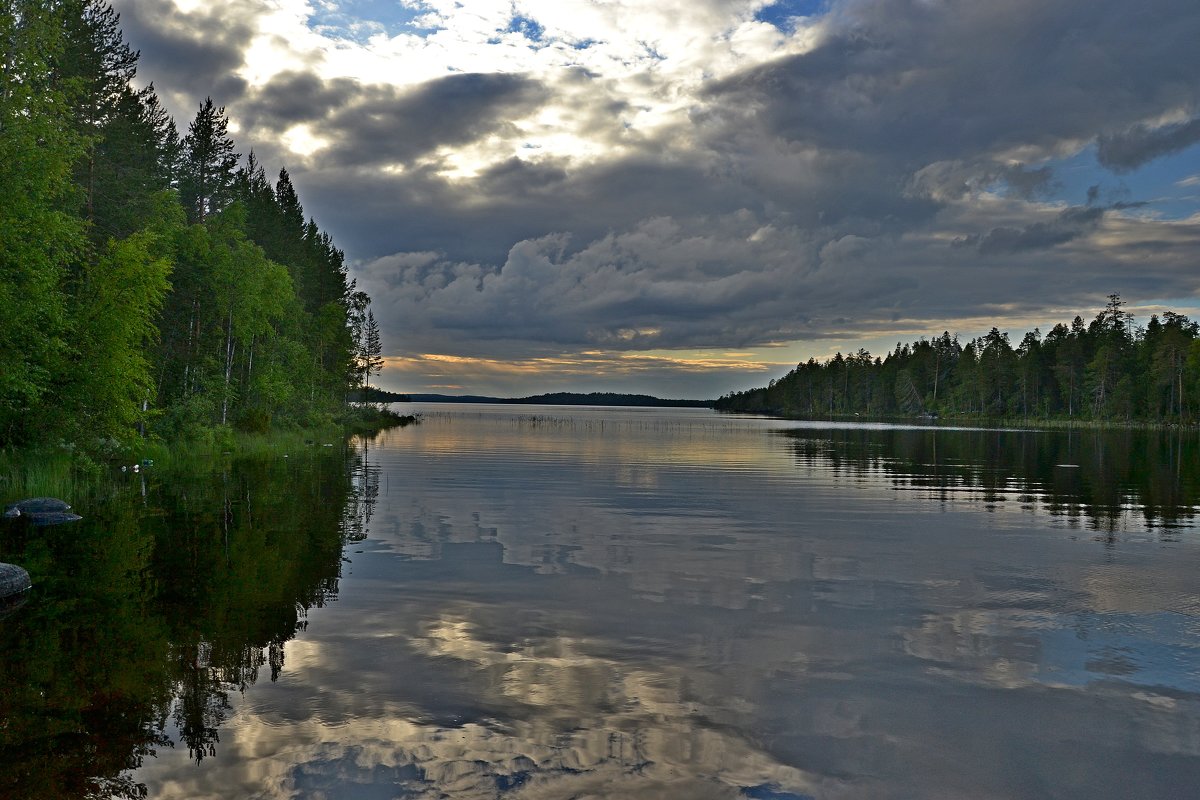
{"x": 13, "y": 580}
{"x": 36, "y": 505}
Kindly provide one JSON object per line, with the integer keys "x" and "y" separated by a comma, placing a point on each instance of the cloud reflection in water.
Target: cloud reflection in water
{"x": 590, "y": 605}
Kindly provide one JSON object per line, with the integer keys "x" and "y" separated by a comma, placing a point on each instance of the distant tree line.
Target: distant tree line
{"x": 373, "y": 394}
{"x": 1108, "y": 369}
{"x": 151, "y": 281}
{"x": 553, "y": 398}
{"x": 609, "y": 399}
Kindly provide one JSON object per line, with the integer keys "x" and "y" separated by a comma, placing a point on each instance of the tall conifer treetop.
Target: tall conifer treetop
{"x": 209, "y": 163}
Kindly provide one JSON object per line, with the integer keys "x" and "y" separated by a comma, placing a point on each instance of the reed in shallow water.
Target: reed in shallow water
{"x": 43, "y": 473}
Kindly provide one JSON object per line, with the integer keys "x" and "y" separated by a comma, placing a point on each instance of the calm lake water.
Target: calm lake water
{"x": 561, "y": 602}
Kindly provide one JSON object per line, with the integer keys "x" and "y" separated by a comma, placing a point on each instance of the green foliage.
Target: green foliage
{"x": 132, "y": 166}
{"x": 109, "y": 382}
{"x": 372, "y": 354}
{"x": 40, "y": 236}
{"x": 149, "y": 285}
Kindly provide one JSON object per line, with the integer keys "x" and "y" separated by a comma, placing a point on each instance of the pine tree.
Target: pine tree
{"x": 208, "y": 164}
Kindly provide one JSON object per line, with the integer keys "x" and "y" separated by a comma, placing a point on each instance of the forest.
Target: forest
{"x": 153, "y": 282}
{"x": 1108, "y": 370}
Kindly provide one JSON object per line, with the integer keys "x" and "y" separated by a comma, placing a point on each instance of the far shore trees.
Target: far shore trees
{"x": 1109, "y": 369}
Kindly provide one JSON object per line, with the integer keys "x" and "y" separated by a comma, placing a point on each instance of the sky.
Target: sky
{"x": 688, "y": 197}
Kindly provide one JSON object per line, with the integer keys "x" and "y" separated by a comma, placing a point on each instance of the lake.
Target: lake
{"x": 544, "y": 602}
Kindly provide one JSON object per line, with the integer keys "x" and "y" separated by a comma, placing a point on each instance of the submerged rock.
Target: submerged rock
{"x": 36, "y": 505}
{"x": 40, "y": 511}
{"x": 13, "y": 580}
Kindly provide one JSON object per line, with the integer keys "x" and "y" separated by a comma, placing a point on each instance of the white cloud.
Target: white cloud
{"x": 650, "y": 57}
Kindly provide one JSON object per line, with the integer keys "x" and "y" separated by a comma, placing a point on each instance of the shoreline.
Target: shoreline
{"x": 67, "y": 469}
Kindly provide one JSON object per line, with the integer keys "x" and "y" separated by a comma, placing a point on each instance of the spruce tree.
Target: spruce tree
{"x": 96, "y": 66}
{"x": 372, "y": 352}
{"x": 133, "y": 161}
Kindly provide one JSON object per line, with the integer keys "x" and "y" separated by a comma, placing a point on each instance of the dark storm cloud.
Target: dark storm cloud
{"x": 665, "y": 283}
{"x": 513, "y": 201}
{"x": 1070, "y": 224}
{"x": 1128, "y": 150}
{"x": 190, "y": 55}
{"x": 737, "y": 281}
{"x": 1029, "y": 183}
{"x": 377, "y": 124}
{"x": 920, "y": 82}
{"x": 294, "y": 97}
{"x": 517, "y": 200}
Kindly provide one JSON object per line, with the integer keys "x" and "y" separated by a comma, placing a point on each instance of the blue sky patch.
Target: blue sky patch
{"x": 782, "y": 13}
{"x": 1160, "y": 183}
{"x": 527, "y": 27}
{"x": 358, "y": 20}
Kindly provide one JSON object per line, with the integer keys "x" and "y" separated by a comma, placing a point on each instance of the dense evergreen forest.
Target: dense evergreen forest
{"x": 151, "y": 282}
{"x": 1108, "y": 369}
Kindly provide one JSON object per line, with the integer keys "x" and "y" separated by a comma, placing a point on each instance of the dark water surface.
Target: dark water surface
{"x": 554, "y": 602}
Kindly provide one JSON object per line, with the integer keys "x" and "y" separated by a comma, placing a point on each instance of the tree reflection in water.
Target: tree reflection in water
{"x": 1100, "y": 480}
{"x": 174, "y": 591}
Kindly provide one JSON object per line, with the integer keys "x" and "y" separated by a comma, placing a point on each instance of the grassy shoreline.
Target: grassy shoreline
{"x": 67, "y": 471}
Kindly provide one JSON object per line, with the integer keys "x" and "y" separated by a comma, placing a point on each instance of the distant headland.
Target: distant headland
{"x": 374, "y": 395}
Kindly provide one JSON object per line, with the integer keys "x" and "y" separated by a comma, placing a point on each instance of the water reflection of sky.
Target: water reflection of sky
{"x": 583, "y": 603}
